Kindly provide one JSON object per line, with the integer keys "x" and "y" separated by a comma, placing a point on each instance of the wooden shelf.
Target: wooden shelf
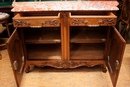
{"x": 89, "y": 35}
{"x": 46, "y": 51}
{"x": 86, "y": 51}
{"x": 43, "y": 36}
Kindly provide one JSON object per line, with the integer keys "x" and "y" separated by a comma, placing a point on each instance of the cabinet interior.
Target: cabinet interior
{"x": 43, "y": 43}
{"x": 29, "y": 14}
{"x": 90, "y": 13}
{"x": 87, "y": 42}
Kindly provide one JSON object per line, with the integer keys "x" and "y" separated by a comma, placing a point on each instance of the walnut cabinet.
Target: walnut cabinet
{"x": 66, "y": 39}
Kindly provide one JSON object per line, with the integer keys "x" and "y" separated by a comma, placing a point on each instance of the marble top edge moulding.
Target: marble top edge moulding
{"x": 65, "y": 6}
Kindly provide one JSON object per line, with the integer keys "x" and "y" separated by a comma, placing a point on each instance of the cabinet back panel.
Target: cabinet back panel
{"x": 86, "y": 51}
{"x": 43, "y": 35}
{"x": 46, "y": 51}
{"x": 88, "y": 35}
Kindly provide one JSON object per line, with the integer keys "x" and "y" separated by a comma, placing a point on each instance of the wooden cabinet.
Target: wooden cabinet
{"x": 66, "y": 39}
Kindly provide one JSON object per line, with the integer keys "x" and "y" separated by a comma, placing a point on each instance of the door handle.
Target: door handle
{"x": 35, "y": 26}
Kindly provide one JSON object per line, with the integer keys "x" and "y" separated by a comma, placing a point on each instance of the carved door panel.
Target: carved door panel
{"x": 115, "y": 55}
{"x": 16, "y": 56}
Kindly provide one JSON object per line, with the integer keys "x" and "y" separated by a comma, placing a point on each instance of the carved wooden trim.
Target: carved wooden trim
{"x": 65, "y": 18}
{"x": 50, "y": 22}
{"x": 77, "y": 21}
{"x": 20, "y": 23}
{"x": 109, "y": 21}
{"x": 67, "y": 64}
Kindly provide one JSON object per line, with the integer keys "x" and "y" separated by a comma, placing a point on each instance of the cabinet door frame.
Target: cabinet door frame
{"x": 115, "y": 54}
{"x": 15, "y": 51}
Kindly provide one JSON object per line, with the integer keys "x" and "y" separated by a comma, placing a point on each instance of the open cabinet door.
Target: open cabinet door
{"x": 115, "y": 55}
{"x": 15, "y": 51}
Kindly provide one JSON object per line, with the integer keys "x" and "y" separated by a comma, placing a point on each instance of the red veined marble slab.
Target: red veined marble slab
{"x": 65, "y": 6}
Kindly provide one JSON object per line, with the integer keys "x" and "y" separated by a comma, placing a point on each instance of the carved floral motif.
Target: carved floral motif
{"x": 65, "y": 18}
{"x": 67, "y": 64}
{"x": 109, "y": 21}
{"x": 77, "y": 21}
{"x": 20, "y": 23}
{"x": 50, "y": 22}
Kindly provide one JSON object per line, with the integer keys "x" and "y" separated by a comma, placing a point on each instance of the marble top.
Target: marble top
{"x": 65, "y": 6}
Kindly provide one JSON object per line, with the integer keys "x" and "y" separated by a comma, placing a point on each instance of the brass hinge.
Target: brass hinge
{"x": 117, "y": 64}
{"x": 15, "y": 65}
